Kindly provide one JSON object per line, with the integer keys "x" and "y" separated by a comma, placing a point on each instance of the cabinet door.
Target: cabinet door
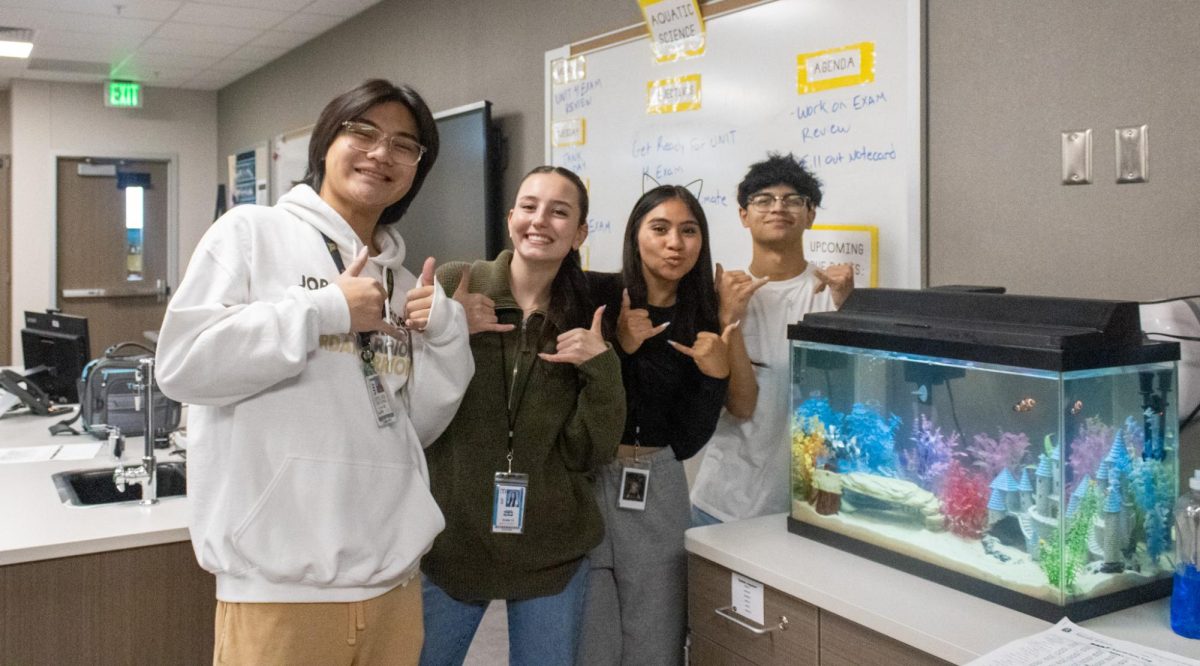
{"x": 709, "y": 589}
{"x": 846, "y": 643}
{"x": 703, "y": 652}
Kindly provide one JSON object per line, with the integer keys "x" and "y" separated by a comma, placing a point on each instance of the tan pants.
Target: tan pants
{"x": 383, "y": 630}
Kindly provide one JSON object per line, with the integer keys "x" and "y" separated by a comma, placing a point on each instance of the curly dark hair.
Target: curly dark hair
{"x": 351, "y": 105}
{"x": 779, "y": 170}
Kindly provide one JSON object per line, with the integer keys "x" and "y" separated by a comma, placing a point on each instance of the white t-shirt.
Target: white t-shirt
{"x": 744, "y": 473}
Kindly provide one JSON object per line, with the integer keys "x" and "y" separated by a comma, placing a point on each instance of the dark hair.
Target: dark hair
{"x": 570, "y": 304}
{"x": 696, "y": 298}
{"x": 779, "y": 170}
{"x": 351, "y": 105}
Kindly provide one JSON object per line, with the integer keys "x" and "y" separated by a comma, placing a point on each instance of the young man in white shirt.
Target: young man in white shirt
{"x": 744, "y": 473}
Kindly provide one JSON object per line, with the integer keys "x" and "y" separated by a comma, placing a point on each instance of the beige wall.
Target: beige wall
{"x": 60, "y": 118}
{"x": 454, "y": 53}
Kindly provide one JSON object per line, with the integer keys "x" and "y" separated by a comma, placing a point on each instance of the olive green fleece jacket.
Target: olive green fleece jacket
{"x": 567, "y": 422}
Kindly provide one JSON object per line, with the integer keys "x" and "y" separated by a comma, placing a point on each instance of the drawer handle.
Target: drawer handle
{"x": 729, "y": 614}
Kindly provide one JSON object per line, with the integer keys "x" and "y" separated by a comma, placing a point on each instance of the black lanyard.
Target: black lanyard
{"x": 364, "y": 339}
{"x": 509, "y": 395}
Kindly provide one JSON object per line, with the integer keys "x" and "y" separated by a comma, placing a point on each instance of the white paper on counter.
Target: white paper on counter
{"x": 24, "y": 454}
{"x": 1068, "y": 644}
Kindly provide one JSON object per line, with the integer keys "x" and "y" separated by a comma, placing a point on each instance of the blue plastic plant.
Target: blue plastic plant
{"x": 861, "y": 441}
{"x": 1154, "y": 496}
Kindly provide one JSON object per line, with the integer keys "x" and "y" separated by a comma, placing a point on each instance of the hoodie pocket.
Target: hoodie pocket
{"x": 339, "y": 523}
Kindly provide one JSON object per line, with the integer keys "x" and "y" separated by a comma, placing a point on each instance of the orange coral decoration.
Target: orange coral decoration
{"x": 808, "y": 446}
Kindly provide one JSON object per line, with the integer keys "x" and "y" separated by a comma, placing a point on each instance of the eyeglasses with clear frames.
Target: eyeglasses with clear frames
{"x": 365, "y": 138}
{"x": 793, "y": 202}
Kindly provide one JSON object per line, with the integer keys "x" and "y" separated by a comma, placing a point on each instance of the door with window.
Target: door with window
{"x": 112, "y": 246}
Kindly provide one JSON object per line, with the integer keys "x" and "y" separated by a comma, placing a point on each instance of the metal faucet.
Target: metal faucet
{"x": 146, "y": 473}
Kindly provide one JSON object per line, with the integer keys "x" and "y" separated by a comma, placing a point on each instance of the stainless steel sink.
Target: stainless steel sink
{"x": 91, "y": 487}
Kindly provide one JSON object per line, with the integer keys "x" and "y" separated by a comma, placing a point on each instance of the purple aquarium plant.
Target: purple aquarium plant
{"x": 992, "y": 455}
{"x": 927, "y": 460}
{"x": 1089, "y": 446}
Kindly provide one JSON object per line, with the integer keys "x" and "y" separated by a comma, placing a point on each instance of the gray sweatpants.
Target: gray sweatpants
{"x": 635, "y": 611}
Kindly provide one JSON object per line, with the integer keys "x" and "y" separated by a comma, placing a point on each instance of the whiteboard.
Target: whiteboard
{"x": 863, "y": 140}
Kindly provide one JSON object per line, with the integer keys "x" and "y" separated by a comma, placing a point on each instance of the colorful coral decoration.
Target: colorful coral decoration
{"x": 963, "y": 494}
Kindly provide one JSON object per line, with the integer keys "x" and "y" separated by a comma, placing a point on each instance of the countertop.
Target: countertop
{"x": 36, "y": 525}
{"x": 934, "y": 618}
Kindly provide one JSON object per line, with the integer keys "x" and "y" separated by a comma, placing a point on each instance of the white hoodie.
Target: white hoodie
{"x": 296, "y": 494}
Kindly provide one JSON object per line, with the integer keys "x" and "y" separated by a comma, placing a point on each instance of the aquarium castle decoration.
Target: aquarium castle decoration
{"x": 927, "y": 461}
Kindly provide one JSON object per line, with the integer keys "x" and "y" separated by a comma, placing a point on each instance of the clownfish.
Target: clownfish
{"x": 1076, "y": 407}
{"x": 1025, "y": 405}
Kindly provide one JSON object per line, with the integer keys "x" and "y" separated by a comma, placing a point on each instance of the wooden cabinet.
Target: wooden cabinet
{"x": 151, "y": 605}
{"x": 813, "y": 636}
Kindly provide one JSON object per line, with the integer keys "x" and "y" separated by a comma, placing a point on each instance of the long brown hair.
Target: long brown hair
{"x": 570, "y": 304}
{"x": 351, "y": 105}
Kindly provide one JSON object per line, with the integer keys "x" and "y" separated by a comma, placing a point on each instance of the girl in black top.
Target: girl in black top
{"x": 662, "y": 319}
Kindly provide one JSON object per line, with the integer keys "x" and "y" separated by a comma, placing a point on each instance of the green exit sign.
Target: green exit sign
{"x": 123, "y": 94}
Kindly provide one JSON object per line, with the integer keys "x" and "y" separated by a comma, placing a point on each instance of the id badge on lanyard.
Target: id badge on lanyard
{"x": 377, "y": 390}
{"x": 635, "y": 484}
{"x": 508, "y": 502}
{"x": 381, "y": 398}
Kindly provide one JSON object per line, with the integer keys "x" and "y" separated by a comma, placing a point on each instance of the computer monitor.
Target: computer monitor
{"x": 55, "y": 346}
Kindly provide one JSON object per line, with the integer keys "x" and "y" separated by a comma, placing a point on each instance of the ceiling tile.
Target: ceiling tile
{"x": 263, "y": 54}
{"x": 345, "y": 8}
{"x": 185, "y": 47}
{"x": 286, "y": 40}
{"x": 156, "y": 10}
{"x": 143, "y": 61}
{"x": 238, "y": 17}
{"x": 236, "y": 66}
{"x": 97, "y": 40}
{"x": 44, "y": 19}
{"x": 312, "y": 24}
{"x": 283, "y": 5}
{"x": 206, "y": 33}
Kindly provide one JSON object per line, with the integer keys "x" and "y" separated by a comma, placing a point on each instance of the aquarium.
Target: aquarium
{"x": 1021, "y": 449}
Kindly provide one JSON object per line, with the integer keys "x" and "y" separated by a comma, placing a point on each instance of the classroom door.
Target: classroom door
{"x": 112, "y": 246}
{"x": 5, "y": 262}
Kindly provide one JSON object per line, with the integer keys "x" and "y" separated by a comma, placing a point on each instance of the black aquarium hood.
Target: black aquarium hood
{"x": 1041, "y": 332}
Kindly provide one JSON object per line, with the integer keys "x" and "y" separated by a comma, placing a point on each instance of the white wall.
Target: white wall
{"x": 50, "y": 118}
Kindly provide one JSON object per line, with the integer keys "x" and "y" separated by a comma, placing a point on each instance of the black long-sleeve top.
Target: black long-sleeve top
{"x": 669, "y": 402}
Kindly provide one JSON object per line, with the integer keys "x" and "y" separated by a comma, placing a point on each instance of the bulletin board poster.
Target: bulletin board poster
{"x": 248, "y": 176}
{"x": 836, "y": 83}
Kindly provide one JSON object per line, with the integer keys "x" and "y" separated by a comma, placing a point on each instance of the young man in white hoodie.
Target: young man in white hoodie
{"x": 310, "y": 401}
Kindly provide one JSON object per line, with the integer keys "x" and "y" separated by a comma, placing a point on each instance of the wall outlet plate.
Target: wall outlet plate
{"x": 1077, "y": 157}
{"x": 1132, "y": 154}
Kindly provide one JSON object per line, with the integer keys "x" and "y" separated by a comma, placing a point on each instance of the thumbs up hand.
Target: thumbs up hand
{"x": 710, "y": 352}
{"x": 481, "y": 310}
{"x": 579, "y": 345}
{"x": 364, "y": 296}
{"x": 634, "y": 326}
{"x": 419, "y": 300}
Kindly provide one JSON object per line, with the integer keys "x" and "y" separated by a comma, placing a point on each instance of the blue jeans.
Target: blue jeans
{"x": 700, "y": 517}
{"x": 542, "y": 630}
